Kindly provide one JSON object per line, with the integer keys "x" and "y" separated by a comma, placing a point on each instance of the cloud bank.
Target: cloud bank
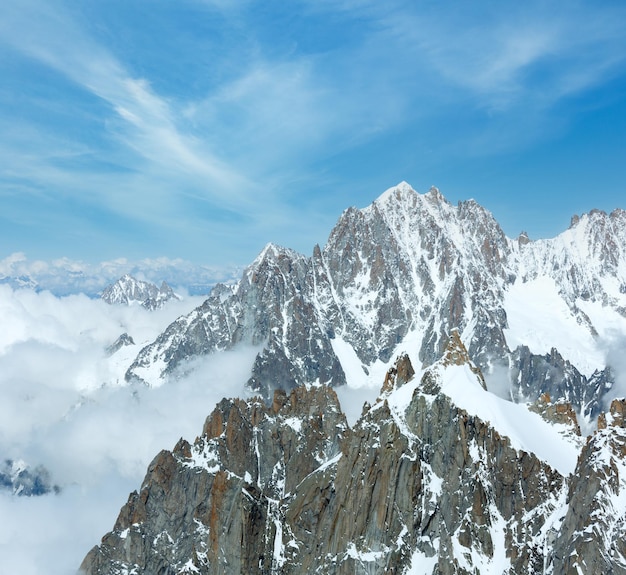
{"x": 65, "y": 406}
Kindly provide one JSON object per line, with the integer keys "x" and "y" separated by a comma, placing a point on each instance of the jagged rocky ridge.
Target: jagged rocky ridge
{"x": 123, "y": 340}
{"x": 129, "y": 290}
{"x": 409, "y": 266}
{"x": 435, "y": 477}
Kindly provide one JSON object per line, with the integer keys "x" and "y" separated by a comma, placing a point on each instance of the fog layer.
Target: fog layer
{"x": 64, "y": 404}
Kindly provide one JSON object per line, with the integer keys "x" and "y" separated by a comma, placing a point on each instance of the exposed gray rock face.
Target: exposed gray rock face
{"x": 218, "y": 505}
{"x": 409, "y": 265}
{"x": 419, "y": 485}
{"x": 534, "y": 375}
{"x": 560, "y": 412}
{"x": 413, "y": 261}
{"x": 593, "y": 536}
{"x": 128, "y": 290}
{"x": 270, "y": 305}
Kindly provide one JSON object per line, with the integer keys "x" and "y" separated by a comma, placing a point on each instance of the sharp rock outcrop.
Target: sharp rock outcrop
{"x": 438, "y": 476}
{"x": 123, "y": 340}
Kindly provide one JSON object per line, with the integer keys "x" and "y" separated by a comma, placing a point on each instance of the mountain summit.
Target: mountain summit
{"x": 409, "y": 269}
{"x": 129, "y": 290}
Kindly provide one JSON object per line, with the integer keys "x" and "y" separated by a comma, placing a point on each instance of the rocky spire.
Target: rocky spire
{"x": 560, "y": 412}
{"x": 456, "y": 354}
{"x": 401, "y": 372}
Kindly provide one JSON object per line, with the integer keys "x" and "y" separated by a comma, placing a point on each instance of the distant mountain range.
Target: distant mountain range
{"x": 440, "y": 475}
{"x": 64, "y": 276}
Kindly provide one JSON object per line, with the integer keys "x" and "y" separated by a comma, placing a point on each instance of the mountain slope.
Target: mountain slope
{"x": 437, "y": 476}
{"x": 411, "y": 268}
{"x": 592, "y": 537}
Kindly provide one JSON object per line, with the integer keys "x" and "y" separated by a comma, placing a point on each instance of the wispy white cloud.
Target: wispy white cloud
{"x": 143, "y": 120}
{"x": 293, "y": 102}
{"x": 507, "y": 54}
{"x": 498, "y": 53}
{"x": 236, "y": 152}
{"x": 237, "y": 149}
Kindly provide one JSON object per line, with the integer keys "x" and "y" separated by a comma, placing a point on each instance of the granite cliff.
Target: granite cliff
{"x": 437, "y": 476}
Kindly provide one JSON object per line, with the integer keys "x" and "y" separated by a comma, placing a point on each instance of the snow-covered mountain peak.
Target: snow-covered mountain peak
{"x": 404, "y": 199}
{"x": 455, "y": 377}
{"x": 403, "y": 202}
{"x": 596, "y": 227}
{"x": 415, "y": 267}
{"x": 435, "y": 196}
{"x": 587, "y": 261}
{"x": 275, "y": 265}
{"x": 429, "y": 226}
{"x": 396, "y": 193}
{"x": 128, "y": 291}
{"x": 273, "y": 251}
{"x": 404, "y": 190}
{"x": 273, "y": 254}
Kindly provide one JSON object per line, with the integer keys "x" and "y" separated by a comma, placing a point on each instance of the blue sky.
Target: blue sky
{"x": 202, "y": 129}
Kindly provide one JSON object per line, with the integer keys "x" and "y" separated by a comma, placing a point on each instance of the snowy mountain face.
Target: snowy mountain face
{"x": 128, "y": 290}
{"x": 586, "y": 261}
{"x": 536, "y": 316}
{"x": 437, "y": 476}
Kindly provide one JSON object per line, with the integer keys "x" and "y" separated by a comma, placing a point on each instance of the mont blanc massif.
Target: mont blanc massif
{"x": 496, "y": 444}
